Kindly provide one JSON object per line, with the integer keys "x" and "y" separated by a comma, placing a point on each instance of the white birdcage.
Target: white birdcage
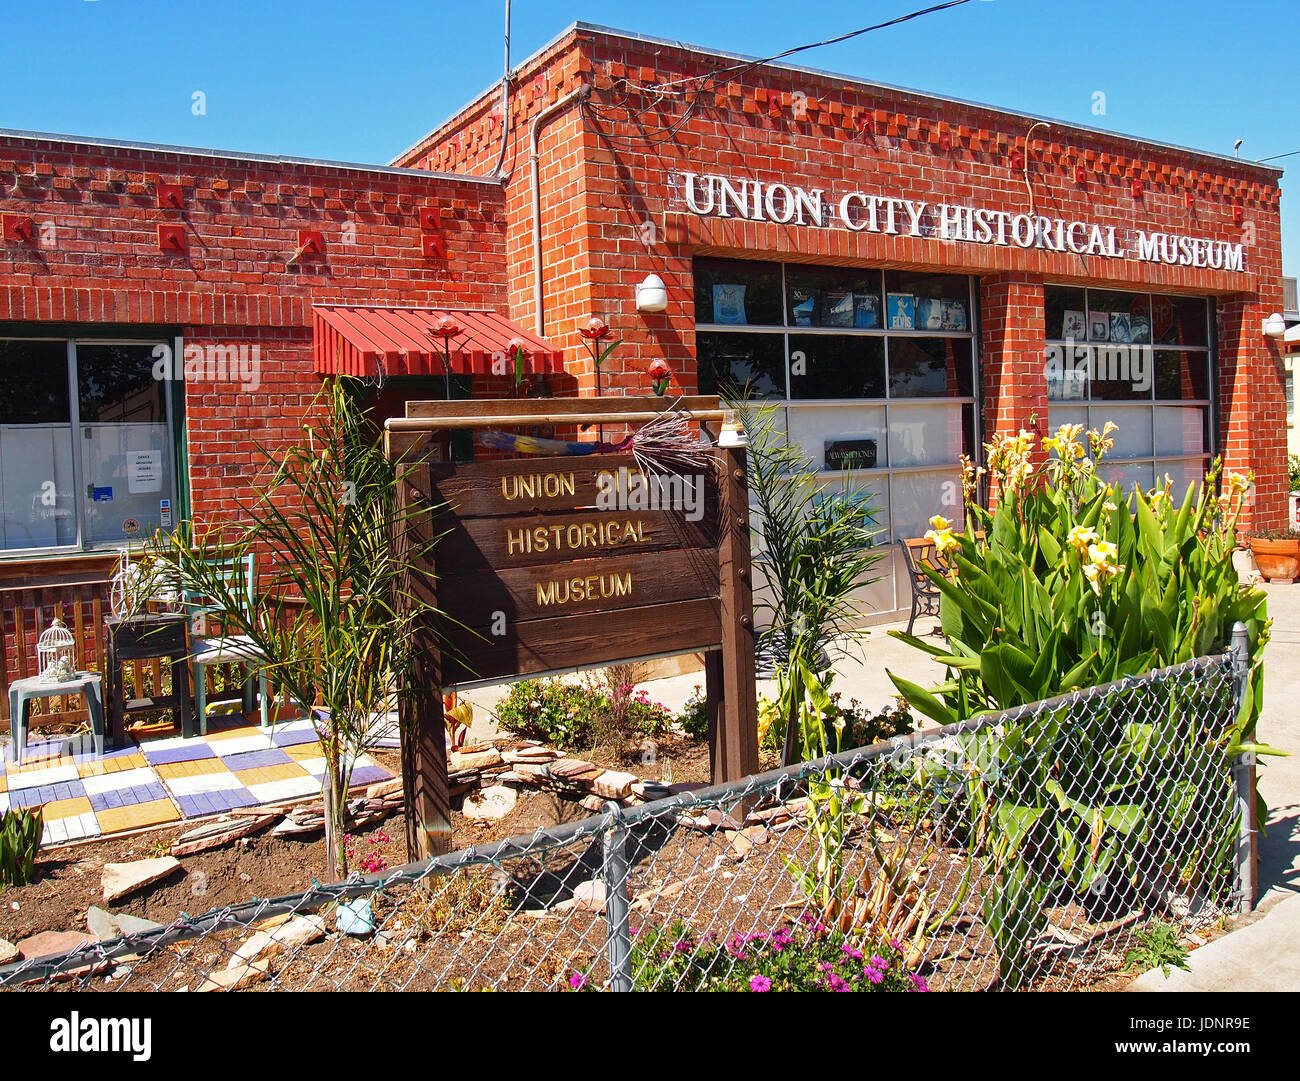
{"x": 55, "y": 654}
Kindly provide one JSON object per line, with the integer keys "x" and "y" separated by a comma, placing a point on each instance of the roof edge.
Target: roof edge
{"x": 609, "y": 31}
{"x": 261, "y": 159}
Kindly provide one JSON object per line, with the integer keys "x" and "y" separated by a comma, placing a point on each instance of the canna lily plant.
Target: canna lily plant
{"x": 1067, "y": 584}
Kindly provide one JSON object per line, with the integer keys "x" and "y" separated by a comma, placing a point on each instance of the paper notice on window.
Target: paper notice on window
{"x": 143, "y": 471}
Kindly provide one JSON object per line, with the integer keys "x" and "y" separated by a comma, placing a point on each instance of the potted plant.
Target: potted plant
{"x": 1277, "y": 553}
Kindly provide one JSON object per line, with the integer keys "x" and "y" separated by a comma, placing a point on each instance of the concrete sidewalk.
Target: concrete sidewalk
{"x": 1262, "y": 953}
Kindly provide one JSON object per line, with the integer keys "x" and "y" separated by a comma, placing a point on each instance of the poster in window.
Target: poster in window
{"x": 729, "y": 304}
{"x": 839, "y": 310}
{"x": 1074, "y": 326}
{"x": 901, "y": 308}
{"x": 929, "y": 313}
{"x": 954, "y": 315}
{"x": 1099, "y": 326}
{"x": 1140, "y": 329}
{"x": 805, "y": 304}
{"x": 1121, "y": 330}
{"x": 143, "y": 471}
{"x": 867, "y": 314}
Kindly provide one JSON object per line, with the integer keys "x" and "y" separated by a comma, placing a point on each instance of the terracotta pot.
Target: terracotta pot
{"x": 1277, "y": 560}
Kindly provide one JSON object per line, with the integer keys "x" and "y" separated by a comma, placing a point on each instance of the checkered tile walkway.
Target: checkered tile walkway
{"x": 170, "y": 779}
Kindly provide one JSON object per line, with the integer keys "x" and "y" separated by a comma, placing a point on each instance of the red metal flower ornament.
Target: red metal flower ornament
{"x": 660, "y": 376}
{"x": 446, "y": 326}
{"x": 595, "y": 330}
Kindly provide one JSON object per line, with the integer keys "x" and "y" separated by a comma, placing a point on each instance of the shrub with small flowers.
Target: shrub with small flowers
{"x": 569, "y": 715}
{"x": 803, "y": 956}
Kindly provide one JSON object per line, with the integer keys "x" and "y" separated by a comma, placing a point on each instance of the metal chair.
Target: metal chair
{"x": 919, "y": 553}
{"x": 227, "y": 648}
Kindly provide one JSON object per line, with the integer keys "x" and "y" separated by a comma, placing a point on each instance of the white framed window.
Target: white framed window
{"x": 88, "y": 444}
{"x": 881, "y": 364}
{"x": 1144, "y": 361}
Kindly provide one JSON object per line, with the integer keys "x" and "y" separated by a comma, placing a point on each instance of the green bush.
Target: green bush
{"x": 571, "y": 715}
{"x": 694, "y": 717}
{"x": 20, "y": 841}
{"x": 1293, "y": 471}
{"x": 861, "y": 727}
{"x": 1157, "y": 945}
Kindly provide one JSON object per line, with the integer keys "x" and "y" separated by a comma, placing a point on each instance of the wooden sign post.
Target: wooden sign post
{"x": 546, "y": 565}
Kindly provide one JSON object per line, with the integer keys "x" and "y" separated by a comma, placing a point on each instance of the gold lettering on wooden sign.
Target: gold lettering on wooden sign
{"x": 575, "y": 536}
{"x": 592, "y": 587}
{"x": 532, "y": 485}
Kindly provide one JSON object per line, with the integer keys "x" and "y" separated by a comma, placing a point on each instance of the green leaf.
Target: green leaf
{"x": 923, "y": 700}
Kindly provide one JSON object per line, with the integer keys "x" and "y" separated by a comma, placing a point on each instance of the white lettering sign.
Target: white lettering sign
{"x": 710, "y": 195}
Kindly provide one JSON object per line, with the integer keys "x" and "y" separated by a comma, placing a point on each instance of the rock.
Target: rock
{"x": 594, "y": 804}
{"x": 101, "y": 924}
{"x": 385, "y": 788}
{"x": 532, "y": 775}
{"x": 573, "y": 770}
{"x": 492, "y": 803}
{"x": 530, "y": 754}
{"x": 119, "y": 879}
{"x": 134, "y": 925}
{"x": 8, "y": 952}
{"x": 651, "y": 790}
{"x": 216, "y": 834}
{"x": 612, "y": 784}
{"x": 589, "y": 896}
{"x": 232, "y": 979}
{"x": 52, "y": 944}
{"x": 721, "y": 820}
{"x": 476, "y": 760}
{"x": 290, "y": 935}
{"x": 742, "y": 841}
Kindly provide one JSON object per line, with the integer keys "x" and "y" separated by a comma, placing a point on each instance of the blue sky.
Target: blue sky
{"x": 360, "y": 80}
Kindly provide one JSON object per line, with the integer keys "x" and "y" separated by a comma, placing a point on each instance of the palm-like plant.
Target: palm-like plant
{"x": 812, "y": 543}
{"x": 327, "y": 618}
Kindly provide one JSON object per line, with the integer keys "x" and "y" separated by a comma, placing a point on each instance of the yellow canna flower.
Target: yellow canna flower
{"x": 1081, "y": 538}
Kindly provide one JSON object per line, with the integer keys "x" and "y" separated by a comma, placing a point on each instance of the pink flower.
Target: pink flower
{"x": 760, "y": 983}
{"x": 874, "y": 974}
{"x": 918, "y": 982}
{"x": 577, "y": 981}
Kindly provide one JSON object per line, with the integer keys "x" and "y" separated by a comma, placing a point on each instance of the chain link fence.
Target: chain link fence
{"x": 1026, "y": 849}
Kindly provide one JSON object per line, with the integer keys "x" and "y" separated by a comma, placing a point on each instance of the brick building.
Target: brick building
{"x": 903, "y": 275}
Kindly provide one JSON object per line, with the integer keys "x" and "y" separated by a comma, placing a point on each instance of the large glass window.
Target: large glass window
{"x": 87, "y": 453}
{"x": 1139, "y": 360}
{"x": 873, "y": 371}
{"x": 1142, "y": 361}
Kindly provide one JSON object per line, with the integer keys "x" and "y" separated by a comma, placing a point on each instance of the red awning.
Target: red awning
{"x": 370, "y": 342}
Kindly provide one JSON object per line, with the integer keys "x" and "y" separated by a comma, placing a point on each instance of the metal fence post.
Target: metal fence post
{"x": 614, "y": 873}
{"x": 1243, "y": 779}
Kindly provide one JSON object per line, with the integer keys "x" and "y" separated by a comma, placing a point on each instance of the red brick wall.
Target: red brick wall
{"x": 239, "y": 281}
{"x": 845, "y": 137}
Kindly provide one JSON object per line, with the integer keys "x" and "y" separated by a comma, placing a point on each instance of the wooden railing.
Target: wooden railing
{"x": 27, "y": 609}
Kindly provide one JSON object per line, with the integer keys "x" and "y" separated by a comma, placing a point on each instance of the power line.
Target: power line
{"x": 1288, "y": 154}
{"x": 704, "y": 80}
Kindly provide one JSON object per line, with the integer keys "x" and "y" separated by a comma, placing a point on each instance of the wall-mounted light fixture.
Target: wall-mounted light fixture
{"x": 1135, "y": 189}
{"x": 1274, "y": 326}
{"x": 651, "y": 294}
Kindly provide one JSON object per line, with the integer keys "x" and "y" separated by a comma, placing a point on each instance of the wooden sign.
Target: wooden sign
{"x": 545, "y": 565}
